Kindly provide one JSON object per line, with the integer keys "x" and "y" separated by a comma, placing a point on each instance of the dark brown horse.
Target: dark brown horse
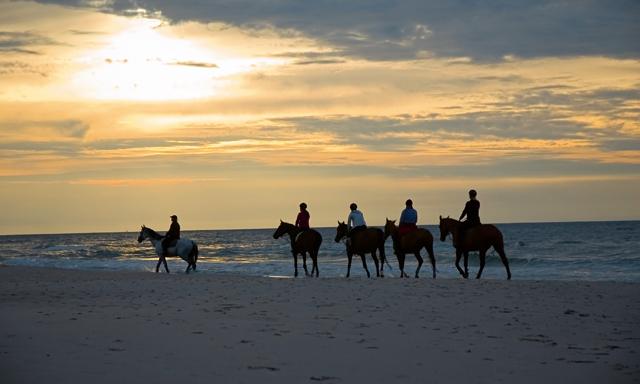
{"x": 411, "y": 242}
{"x": 366, "y": 241}
{"x": 302, "y": 242}
{"x": 479, "y": 238}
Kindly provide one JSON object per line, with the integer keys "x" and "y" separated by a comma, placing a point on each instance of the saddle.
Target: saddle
{"x": 172, "y": 243}
{"x": 406, "y": 228}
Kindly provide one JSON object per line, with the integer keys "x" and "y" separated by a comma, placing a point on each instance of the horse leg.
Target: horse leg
{"x": 314, "y": 257}
{"x": 304, "y": 263}
{"x": 483, "y": 254}
{"x": 166, "y": 267}
{"x": 364, "y": 264}
{"x": 401, "y": 257}
{"x": 432, "y": 258}
{"x": 383, "y": 259}
{"x": 466, "y": 264}
{"x": 458, "y": 257}
{"x": 295, "y": 264}
{"x": 158, "y": 265}
{"x": 349, "y": 257}
{"x": 505, "y": 262}
{"x": 375, "y": 261}
{"x": 419, "y": 258}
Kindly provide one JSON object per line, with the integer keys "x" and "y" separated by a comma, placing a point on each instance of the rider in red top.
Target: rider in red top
{"x": 302, "y": 221}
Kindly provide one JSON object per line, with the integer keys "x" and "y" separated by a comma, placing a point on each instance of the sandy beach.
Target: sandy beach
{"x": 70, "y": 326}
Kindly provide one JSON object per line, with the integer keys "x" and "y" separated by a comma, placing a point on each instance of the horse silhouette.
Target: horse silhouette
{"x": 412, "y": 242}
{"x": 185, "y": 248}
{"x": 369, "y": 240}
{"x": 479, "y": 238}
{"x": 302, "y": 242}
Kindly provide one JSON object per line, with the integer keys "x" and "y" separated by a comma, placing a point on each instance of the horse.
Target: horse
{"x": 302, "y": 242}
{"x": 369, "y": 240}
{"x": 479, "y": 238}
{"x": 411, "y": 242}
{"x": 185, "y": 248}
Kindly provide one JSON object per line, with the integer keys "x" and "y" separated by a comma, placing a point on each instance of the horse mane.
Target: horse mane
{"x": 153, "y": 233}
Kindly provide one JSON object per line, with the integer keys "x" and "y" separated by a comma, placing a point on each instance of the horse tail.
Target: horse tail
{"x": 193, "y": 255}
{"x": 318, "y": 237}
{"x": 499, "y": 240}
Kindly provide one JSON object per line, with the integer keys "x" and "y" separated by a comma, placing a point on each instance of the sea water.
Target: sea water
{"x": 596, "y": 251}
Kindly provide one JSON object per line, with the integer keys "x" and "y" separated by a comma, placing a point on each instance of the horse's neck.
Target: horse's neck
{"x": 154, "y": 241}
{"x": 453, "y": 228}
{"x": 395, "y": 235}
{"x": 293, "y": 232}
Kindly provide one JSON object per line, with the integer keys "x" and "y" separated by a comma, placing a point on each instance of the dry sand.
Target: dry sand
{"x": 69, "y": 326}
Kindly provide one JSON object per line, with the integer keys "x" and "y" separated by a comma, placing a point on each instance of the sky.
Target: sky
{"x": 229, "y": 113}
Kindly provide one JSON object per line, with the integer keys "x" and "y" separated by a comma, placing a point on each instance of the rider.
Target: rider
{"x": 172, "y": 234}
{"x": 355, "y": 221}
{"x": 408, "y": 219}
{"x": 472, "y": 211}
{"x": 302, "y": 221}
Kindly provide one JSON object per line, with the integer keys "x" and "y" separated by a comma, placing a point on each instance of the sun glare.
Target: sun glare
{"x": 145, "y": 62}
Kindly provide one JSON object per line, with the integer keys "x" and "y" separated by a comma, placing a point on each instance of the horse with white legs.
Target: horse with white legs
{"x": 186, "y": 249}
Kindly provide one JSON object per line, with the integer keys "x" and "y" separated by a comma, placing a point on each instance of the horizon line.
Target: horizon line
{"x": 319, "y": 227}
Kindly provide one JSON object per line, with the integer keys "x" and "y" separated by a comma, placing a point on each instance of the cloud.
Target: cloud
{"x": 195, "y": 64}
{"x": 390, "y": 30}
{"x": 22, "y": 42}
{"x": 45, "y": 130}
{"x": 320, "y": 62}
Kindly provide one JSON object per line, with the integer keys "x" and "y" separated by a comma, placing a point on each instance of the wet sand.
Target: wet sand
{"x": 69, "y": 326}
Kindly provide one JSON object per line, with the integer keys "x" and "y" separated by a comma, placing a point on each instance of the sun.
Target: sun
{"x": 145, "y": 62}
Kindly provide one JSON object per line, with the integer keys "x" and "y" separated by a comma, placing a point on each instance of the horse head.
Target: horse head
{"x": 341, "y": 231}
{"x": 389, "y": 228}
{"x": 445, "y": 227}
{"x": 281, "y": 230}
{"x": 143, "y": 234}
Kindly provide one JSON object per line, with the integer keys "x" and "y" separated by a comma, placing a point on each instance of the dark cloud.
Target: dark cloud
{"x": 75, "y": 129}
{"x": 389, "y": 30}
{"x": 23, "y": 42}
{"x": 14, "y": 67}
{"x": 196, "y": 64}
{"x": 319, "y": 61}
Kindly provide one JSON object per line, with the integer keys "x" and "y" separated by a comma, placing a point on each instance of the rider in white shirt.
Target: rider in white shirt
{"x": 355, "y": 221}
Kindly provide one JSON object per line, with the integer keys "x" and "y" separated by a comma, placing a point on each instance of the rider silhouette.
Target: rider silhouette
{"x": 408, "y": 219}
{"x": 172, "y": 234}
{"x": 472, "y": 211}
{"x": 302, "y": 221}
{"x": 355, "y": 222}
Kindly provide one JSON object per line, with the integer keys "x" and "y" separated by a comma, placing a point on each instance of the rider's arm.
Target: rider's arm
{"x": 464, "y": 212}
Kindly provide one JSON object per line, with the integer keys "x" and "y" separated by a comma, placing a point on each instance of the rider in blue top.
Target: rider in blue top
{"x": 408, "y": 218}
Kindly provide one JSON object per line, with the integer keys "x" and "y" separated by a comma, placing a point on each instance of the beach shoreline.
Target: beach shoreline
{"x": 101, "y": 326}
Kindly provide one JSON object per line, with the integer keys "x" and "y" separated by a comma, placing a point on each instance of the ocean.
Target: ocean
{"x": 588, "y": 251}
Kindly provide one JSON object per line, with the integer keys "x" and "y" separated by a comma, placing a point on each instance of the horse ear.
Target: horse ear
{"x": 281, "y": 221}
{"x": 440, "y": 217}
